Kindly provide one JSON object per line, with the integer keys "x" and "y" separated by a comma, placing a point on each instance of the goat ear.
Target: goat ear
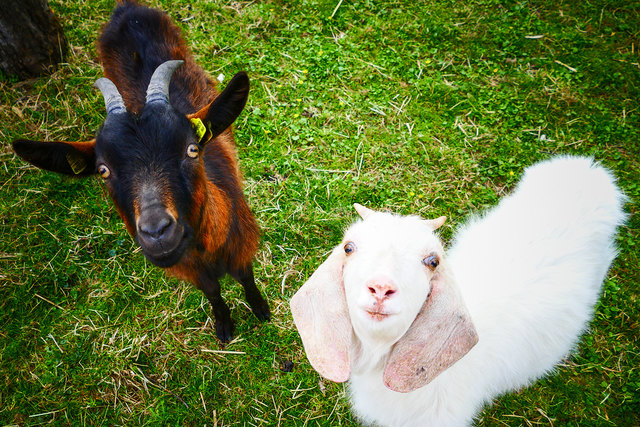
{"x": 440, "y": 335}
{"x": 320, "y": 313}
{"x": 69, "y": 158}
{"x": 225, "y": 109}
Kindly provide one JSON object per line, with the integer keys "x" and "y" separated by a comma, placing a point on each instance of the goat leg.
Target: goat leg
{"x": 210, "y": 286}
{"x": 258, "y": 305}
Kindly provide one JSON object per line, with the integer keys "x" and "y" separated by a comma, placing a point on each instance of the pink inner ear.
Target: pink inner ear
{"x": 440, "y": 335}
{"x": 319, "y": 310}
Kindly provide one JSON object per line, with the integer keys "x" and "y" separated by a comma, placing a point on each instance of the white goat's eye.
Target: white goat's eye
{"x": 104, "y": 171}
{"x": 193, "y": 151}
{"x": 349, "y": 248}
{"x": 431, "y": 261}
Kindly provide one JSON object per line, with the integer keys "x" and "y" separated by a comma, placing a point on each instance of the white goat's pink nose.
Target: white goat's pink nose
{"x": 381, "y": 288}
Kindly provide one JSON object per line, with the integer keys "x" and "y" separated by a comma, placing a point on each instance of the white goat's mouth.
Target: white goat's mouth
{"x": 377, "y": 314}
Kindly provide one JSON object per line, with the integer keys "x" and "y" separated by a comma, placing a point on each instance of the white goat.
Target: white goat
{"x": 388, "y": 310}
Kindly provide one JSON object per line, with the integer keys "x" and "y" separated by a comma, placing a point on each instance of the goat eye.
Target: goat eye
{"x": 104, "y": 171}
{"x": 193, "y": 151}
{"x": 432, "y": 261}
{"x": 349, "y": 248}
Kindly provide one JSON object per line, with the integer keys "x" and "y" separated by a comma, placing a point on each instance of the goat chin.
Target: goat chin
{"x": 529, "y": 271}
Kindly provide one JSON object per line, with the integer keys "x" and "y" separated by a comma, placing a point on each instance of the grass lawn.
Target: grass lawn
{"x": 425, "y": 107}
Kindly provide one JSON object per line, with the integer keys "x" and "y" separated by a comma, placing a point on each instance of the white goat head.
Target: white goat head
{"x": 388, "y": 283}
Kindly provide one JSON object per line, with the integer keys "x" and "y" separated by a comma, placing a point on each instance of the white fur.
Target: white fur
{"x": 530, "y": 272}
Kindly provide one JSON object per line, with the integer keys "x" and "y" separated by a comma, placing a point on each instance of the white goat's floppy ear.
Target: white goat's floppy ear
{"x": 364, "y": 212}
{"x": 436, "y": 223}
{"x": 320, "y": 313}
{"x": 438, "y": 337}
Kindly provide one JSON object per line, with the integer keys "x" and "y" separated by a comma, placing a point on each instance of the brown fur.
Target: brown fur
{"x": 201, "y": 89}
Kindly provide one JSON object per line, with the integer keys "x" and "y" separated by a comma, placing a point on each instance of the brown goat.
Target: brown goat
{"x": 167, "y": 156}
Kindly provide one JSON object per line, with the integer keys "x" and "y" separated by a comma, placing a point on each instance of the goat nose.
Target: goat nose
{"x": 382, "y": 289}
{"x": 155, "y": 228}
{"x": 155, "y": 224}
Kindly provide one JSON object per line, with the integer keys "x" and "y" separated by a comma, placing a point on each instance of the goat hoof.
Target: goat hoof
{"x": 262, "y": 312}
{"x": 224, "y": 331}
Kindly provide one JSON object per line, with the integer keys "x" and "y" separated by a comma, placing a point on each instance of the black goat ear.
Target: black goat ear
{"x": 225, "y": 109}
{"x": 69, "y": 158}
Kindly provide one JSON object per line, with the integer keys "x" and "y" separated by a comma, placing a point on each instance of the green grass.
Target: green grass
{"x": 432, "y": 108}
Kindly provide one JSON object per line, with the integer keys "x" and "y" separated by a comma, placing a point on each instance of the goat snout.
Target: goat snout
{"x": 156, "y": 227}
{"x": 160, "y": 236}
{"x": 381, "y": 288}
{"x": 379, "y": 291}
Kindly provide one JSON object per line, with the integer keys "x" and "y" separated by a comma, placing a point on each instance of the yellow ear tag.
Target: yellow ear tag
{"x": 198, "y": 127}
{"x": 77, "y": 162}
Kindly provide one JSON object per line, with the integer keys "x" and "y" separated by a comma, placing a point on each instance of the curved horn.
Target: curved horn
{"x": 158, "y": 89}
{"x": 112, "y": 98}
{"x": 363, "y": 211}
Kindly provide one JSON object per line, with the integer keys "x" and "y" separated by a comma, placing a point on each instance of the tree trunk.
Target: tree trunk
{"x": 31, "y": 38}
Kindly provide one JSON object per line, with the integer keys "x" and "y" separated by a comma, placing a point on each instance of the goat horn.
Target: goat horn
{"x": 112, "y": 98}
{"x": 158, "y": 89}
